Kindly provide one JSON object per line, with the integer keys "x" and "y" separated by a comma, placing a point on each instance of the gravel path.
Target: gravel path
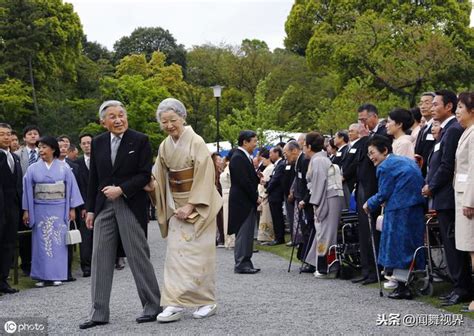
{"x": 272, "y": 302}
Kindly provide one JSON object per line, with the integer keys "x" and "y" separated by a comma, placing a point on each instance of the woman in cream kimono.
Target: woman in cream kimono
{"x": 265, "y": 225}
{"x": 464, "y": 180}
{"x": 187, "y": 205}
{"x": 229, "y": 240}
{"x": 327, "y": 197}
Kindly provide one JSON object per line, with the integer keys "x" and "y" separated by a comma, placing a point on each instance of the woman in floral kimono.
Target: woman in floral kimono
{"x": 50, "y": 194}
{"x": 265, "y": 225}
{"x": 187, "y": 206}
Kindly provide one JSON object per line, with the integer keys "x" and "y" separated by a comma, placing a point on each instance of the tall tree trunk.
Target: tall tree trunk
{"x": 33, "y": 90}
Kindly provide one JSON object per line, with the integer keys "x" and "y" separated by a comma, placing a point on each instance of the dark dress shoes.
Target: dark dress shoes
{"x": 401, "y": 294}
{"x": 455, "y": 299}
{"x": 146, "y": 318}
{"x": 369, "y": 280}
{"x": 120, "y": 264}
{"x": 359, "y": 279}
{"x": 86, "y": 274}
{"x": 446, "y": 296}
{"x": 308, "y": 268}
{"x": 276, "y": 242}
{"x": 8, "y": 290}
{"x": 91, "y": 324}
{"x": 247, "y": 270}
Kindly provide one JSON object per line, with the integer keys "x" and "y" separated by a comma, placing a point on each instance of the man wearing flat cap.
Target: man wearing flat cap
{"x": 120, "y": 168}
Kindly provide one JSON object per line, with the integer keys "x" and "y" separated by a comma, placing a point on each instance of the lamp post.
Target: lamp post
{"x": 217, "y": 94}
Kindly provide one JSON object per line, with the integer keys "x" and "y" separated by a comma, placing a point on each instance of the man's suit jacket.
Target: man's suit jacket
{"x": 424, "y": 146}
{"x": 288, "y": 177}
{"x": 441, "y": 166}
{"x": 24, "y": 159}
{"x": 301, "y": 192}
{"x": 349, "y": 171}
{"x": 275, "y": 187}
{"x": 366, "y": 177}
{"x": 82, "y": 177}
{"x": 11, "y": 188}
{"x": 131, "y": 172}
{"x": 243, "y": 193}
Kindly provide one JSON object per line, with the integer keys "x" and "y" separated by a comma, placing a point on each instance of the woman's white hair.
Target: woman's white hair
{"x": 171, "y": 104}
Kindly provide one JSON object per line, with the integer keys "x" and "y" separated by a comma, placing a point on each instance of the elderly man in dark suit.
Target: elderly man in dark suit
{"x": 243, "y": 198}
{"x": 10, "y": 205}
{"x": 425, "y": 140}
{"x": 120, "y": 169}
{"x": 440, "y": 187}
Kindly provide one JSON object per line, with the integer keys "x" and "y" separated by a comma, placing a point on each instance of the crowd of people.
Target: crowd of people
{"x": 414, "y": 161}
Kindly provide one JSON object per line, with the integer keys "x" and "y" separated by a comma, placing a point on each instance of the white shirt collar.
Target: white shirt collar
{"x": 276, "y": 162}
{"x": 112, "y": 136}
{"x": 354, "y": 142}
{"x": 246, "y": 153}
{"x": 429, "y": 122}
{"x": 86, "y": 157}
{"x": 32, "y": 150}
{"x": 444, "y": 123}
{"x": 340, "y": 148}
{"x": 6, "y": 151}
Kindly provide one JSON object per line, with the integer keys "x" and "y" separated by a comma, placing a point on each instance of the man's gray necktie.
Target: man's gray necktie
{"x": 87, "y": 162}
{"x": 11, "y": 162}
{"x": 113, "y": 148}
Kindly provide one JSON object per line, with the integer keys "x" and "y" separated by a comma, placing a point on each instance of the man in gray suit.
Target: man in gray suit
{"x": 28, "y": 155}
{"x": 120, "y": 168}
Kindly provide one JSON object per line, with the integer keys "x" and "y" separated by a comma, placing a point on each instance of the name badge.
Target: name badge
{"x": 353, "y": 150}
{"x": 429, "y": 137}
{"x": 300, "y": 175}
{"x": 436, "y": 147}
{"x": 338, "y": 154}
{"x": 288, "y": 167}
{"x": 461, "y": 177}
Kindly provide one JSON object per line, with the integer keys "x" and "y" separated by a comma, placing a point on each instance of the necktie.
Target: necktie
{"x": 113, "y": 148}
{"x": 11, "y": 162}
{"x": 32, "y": 158}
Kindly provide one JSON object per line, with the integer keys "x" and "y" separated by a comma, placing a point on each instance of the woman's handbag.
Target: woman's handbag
{"x": 73, "y": 236}
{"x": 379, "y": 222}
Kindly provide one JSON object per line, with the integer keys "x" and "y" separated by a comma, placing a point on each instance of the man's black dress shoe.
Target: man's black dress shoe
{"x": 369, "y": 281}
{"x": 120, "y": 264}
{"x": 86, "y": 274}
{"x": 308, "y": 269}
{"x": 446, "y": 296}
{"x": 91, "y": 324}
{"x": 276, "y": 242}
{"x": 402, "y": 294}
{"x": 146, "y": 318}
{"x": 8, "y": 290}
{"x": 359, "y": 279}
{"x": 247, "y": 270}
{"x": 455, "y": 299}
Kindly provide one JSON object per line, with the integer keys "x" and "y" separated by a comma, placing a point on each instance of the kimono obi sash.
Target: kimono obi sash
{"x": 334, "y": 181}
{"x": 181, "y": 180}
{"x": 50, "y": 191}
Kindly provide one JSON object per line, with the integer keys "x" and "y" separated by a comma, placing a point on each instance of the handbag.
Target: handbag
{"x": 379, "y": 222}
{"x": 73, "y": 236}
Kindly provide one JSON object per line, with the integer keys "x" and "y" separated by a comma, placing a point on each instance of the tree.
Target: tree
{"x": 146, "y": 41}
{"x": 95, "y": 51}
{"x": 15, "y": 99}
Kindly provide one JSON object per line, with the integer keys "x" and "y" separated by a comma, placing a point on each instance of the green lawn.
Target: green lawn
{"x": 439, "y": 288}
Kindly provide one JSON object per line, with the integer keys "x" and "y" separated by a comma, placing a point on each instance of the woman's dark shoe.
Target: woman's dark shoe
{"x": 401, "y": 293}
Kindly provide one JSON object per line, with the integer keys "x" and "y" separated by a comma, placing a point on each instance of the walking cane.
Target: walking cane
{"x": 294, "y": 238}
{"x": 308, "y": 246}
{"x": 372, "y": 238}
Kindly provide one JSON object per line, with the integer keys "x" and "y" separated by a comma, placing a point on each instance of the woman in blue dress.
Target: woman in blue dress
{"x": 50, "y": 194}
{"x": 399, "y": 190}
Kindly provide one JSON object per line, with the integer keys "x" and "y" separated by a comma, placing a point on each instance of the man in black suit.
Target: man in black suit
{"x": 425, "y": 140}
{"x": 367, "y": 187}
{"x": 440, "y": 187}
{"x": 117, "y": 202}
{"x": 10, "y": 205}
{"x": 349, "y": 174}
{"x": 275, "y": 193}
{"x": 83, "y": 163}
{"x": 243, "y": 198}
{"x": 341, "y": 140}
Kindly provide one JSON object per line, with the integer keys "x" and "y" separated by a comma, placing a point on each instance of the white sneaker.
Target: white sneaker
{"x": 39, "y": 284}
{"x": 170, "y": 314}
{"x": 320, "y": 275}
{"x": 205, "y": 311}
{"x": 390, "y": 284}
{"x": 57, "y": 283}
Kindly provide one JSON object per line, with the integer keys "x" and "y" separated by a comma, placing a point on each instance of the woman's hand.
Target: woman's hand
{"x": 72, "y": 215}
{"x": 183, "y": 212}
{"x": 150, "y": 186}
{"x": 468, "y": 212}
{"x": 26, "y": 218}
{"x": 366, "y": 208}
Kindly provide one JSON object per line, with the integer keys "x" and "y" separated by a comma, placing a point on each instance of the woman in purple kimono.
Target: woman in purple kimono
{"x": 399, "y": 189}
{"x": 50, "y": 194}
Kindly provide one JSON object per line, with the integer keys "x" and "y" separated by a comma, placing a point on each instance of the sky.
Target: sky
{"x": 190, "y": 22}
